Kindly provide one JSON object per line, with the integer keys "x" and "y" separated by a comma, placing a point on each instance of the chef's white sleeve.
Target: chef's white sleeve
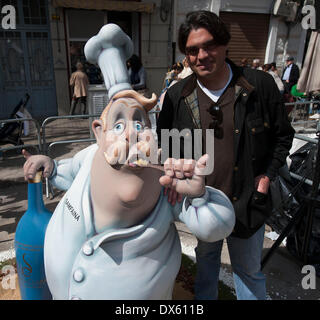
{"x": 65, "y": 170}
{"x": 210, "y": 218}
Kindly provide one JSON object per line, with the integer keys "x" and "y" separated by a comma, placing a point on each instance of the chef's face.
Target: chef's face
{"x": 126, "y": 135}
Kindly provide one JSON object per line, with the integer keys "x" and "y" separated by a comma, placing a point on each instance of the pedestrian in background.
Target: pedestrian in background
{"x": 256, "y": 64}
{"x": 273, "y": 68}
{"x": 244, "y": 63}
{"x": 79, "y": 83}
{"x": 268, "y": 68}
{"x": 290, "y": 74}
{"x": 172, "y": 77}
{"x": 137, "y": 75}
{"x": 252, "y": 138}
{"x": 186, "y": 70}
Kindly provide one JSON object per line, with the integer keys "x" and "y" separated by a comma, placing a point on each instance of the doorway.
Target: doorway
{"x": 26, "y": 61}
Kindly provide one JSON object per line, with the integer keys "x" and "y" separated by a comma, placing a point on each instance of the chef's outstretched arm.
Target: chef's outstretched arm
{"x": 61, "y": 173}
{"x": 207, "y": 212}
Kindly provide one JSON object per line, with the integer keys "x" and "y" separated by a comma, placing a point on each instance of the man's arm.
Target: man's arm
{"x": 72, "y": 80}
{"x": 280, "y": 129}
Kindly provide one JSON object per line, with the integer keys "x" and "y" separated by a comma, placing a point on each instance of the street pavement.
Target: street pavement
{"x": 283, "y": 272}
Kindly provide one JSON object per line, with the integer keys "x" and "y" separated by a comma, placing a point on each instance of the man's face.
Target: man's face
{"x": 289, "y": 62}
{"x": 127, "y": 134}
{"x": 205, "y": 57}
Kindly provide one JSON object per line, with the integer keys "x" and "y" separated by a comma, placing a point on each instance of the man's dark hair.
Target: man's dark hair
{"x": 203, "y": 19}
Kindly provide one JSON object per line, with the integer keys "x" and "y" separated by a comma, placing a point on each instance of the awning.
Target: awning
{"x": 310, "y": 77}
{"x": 106, "y": 5}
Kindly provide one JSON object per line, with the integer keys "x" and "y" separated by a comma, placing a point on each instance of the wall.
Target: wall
{"x": 280, "y": 42}
{"x": 248, "y": 6}
{"x": 157, "y": 53}
{"x": 155, "y": 49}
{"x": 289, "y": 40}
{"x": 60, "y": 60}
{"x": 157, "y": 37}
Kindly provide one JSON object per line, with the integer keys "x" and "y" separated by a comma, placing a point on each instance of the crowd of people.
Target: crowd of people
{"x": 286, "y": 81}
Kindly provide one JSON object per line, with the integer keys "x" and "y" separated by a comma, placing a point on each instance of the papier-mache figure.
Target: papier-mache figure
{"x": 112, "y": 236}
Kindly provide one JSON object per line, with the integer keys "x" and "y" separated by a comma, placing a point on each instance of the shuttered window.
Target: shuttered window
{"x": 249, "y": 35}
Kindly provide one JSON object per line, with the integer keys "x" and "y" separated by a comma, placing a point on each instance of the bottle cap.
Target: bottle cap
{"x": 37, "y": 178}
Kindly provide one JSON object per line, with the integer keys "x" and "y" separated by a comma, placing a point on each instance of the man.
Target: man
{"x": 256, "y": 64}
{"x": 79, "y": 82}
{"x": 252, "y": 140}
{"x": 290, "y": 75}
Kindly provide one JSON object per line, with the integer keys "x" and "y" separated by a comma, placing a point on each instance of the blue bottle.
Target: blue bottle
{"x": 29, "y": 242}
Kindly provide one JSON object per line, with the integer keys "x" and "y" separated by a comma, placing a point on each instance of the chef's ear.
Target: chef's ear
{"x": 97, "y": 128}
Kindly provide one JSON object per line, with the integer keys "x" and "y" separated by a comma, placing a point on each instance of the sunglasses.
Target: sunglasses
{"x": 217, "y": 118}
{"x": 209, "y": 46}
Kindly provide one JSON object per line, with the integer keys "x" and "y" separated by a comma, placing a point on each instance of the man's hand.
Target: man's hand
{"x": 262, "y": 183}
{"x": 184, "y": 177}
{"x": 173, "y": 196}
{"x": 34, "y": 163}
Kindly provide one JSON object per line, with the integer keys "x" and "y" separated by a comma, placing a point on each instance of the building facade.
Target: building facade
{"x": 40, "y": 55}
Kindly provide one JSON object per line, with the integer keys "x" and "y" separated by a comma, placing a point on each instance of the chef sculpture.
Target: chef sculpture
{"x": 112, "y": 236}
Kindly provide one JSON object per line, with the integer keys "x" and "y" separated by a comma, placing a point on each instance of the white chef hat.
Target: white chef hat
{"x": 110, "y": 49}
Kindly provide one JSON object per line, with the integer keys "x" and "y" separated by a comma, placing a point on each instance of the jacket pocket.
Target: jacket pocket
{"x": 260, "y": 208}
{"x": 258, "y": 133}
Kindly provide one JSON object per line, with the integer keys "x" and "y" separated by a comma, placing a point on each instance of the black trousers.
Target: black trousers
{"x": 287, "y": 86}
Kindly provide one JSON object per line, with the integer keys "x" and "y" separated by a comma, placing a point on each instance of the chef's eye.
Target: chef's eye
{"x": 118, "y": 128}
{"x": 138, "y": 126}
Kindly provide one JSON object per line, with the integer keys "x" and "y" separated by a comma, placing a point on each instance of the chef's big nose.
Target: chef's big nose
{"x": 131, "y": 134}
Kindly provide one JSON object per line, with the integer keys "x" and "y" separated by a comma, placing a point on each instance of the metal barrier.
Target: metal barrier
{"x": 307, "y": 206}
{"x": 45, "y": 149}
{"x": 303, "y": 112}
{"x": 21, "y": 146}
{"x": 296, "y": 176}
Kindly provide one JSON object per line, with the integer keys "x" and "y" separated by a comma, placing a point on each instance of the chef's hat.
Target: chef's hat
{"x": 110, "y": 49}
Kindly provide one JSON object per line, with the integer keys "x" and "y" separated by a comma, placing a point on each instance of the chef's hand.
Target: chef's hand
{"x": 34, "y": 163}
{"x": 262, "y": 183}
{"x": 185, "y": 176}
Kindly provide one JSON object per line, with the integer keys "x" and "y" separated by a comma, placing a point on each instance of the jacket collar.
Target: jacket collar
{"x": 241, "y": 84}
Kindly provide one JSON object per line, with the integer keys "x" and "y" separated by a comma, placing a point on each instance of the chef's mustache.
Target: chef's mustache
{"x": 122, "y": 152}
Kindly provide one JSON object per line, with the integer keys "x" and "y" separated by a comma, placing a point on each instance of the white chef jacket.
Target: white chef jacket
{"x": 139, "y": 262}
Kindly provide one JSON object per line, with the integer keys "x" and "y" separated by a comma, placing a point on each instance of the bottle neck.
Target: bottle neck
{"x": 35, "y": 197}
